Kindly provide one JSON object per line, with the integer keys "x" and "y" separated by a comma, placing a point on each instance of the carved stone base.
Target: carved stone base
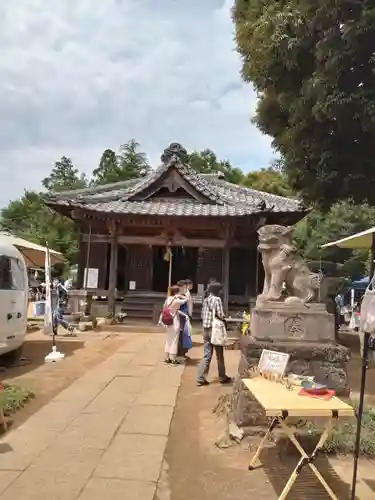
{"x": 295, "y": 322}
{"x": 327, "y": 362}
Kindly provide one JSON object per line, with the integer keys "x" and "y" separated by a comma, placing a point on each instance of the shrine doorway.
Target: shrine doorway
{"x": 184, "y": 265}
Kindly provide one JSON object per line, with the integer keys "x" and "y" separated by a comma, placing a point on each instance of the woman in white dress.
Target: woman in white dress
{"x": 173, "y": 303}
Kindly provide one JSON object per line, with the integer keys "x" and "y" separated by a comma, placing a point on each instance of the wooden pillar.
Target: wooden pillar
{"x": 112, "y": 273}
{"x": 87, "y": 258}
{"x": 80, "y": 259}
{"x": 225, "y": 275}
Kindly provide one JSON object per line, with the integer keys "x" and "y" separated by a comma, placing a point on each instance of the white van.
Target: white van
{"x": 13, "y": 301}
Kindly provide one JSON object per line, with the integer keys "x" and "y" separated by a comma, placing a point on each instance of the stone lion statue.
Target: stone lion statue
{"x": 284, "y": 268}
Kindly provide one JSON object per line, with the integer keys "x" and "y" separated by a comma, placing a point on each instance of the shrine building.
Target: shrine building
{"x": 208, "y": 226}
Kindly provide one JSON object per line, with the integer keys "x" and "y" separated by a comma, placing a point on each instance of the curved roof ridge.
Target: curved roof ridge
{"x": 238, "y": 186}
{"x": 175, "y": 156}
{"x": 258, "y": 194}
{"x": 101, "y": 188}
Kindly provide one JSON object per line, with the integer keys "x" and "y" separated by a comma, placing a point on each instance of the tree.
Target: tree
{"x": 64, "y": 177}
{"x": 108, "y": 170}
{"x": 206, "y": 162}
{"x": 129, "y": 164}
{"x": 132, "y": 162}
{"x": 343, "y": 219}
{"x": 269, "y": 180}
{"x": 312, "y": 64}
{"x": 31, "y": 219}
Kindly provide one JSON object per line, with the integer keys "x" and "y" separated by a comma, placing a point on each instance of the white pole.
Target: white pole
{"x": 54, "y": 355}
{"x": 352, "y": 298}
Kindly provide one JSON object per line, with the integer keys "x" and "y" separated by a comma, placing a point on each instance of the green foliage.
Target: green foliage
{"x": 207, "y": 162}
{"x": 343, "y": 219}
{"x": 133, "y": 163}
{"x": 129, "y": 164}
{"x": 64, "y": 177}
{"x": 29, "y": 217}
{"x": 14, "y": 397}
{"x": 312, "y": 64}
{"x": 108, "y": 169}
{"x": 341, "y": 440}
{"x": 269, "y": 180}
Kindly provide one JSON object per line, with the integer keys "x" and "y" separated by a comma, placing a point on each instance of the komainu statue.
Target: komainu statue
{"x": 283, "y": 267}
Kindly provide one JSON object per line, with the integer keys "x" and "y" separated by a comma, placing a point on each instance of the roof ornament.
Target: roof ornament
{"x": 302, "y": 206}
{"x": 262, "y": 206}
{"x": 174, "y": 152}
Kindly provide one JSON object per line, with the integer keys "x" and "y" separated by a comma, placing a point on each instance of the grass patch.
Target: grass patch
{"x": 342, "y": 438}
{"x": 14, "y": 397}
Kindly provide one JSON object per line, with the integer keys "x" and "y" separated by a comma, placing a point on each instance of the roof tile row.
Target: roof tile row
{"x": 223, "y": 198}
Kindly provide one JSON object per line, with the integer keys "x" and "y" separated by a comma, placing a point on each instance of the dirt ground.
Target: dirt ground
{"x": 46, "y": 380}
{"x": 195, "y": 468}
{"x": 351, "y": 341}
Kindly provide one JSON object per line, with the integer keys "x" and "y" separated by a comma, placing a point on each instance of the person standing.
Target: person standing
{"x": 173, "y": 303}
{"x": 183, "y": 317}
{"x": 339, "y": 302}
{"x": 212, "y": 307}
{"x": 189, "y": 287}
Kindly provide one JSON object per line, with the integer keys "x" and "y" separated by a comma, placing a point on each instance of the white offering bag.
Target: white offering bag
{"x": 219, "y": 334}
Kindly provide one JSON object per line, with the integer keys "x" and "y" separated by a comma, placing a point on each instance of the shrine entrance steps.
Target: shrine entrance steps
{"x": 145, "y": 307}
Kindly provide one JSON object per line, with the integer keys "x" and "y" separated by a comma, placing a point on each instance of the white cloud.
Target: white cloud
{"x": 77, "y": 77}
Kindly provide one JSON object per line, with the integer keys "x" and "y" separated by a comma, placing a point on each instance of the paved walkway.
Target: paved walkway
{"x": 103, "y": 437}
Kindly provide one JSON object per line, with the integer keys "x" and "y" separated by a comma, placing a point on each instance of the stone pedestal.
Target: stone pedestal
{"x": 326, "y": 361}
{"x": 292, "y": 321}
{"x": 80, "y": 301}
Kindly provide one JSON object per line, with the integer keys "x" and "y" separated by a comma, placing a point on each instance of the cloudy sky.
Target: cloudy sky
{"x": 78, "y": 76}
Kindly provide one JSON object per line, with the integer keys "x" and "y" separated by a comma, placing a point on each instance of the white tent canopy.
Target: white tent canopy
{"x": 33, "y": 254}
{"x": 363, "y": 239}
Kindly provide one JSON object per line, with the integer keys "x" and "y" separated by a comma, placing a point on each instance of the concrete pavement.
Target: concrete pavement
{"x": 102, "y": 437}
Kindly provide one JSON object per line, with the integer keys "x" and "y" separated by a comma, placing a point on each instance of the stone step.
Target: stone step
{"x": 134, "y": 327}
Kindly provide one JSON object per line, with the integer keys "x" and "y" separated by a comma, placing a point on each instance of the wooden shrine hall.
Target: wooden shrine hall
{"x": 208, "y": 224}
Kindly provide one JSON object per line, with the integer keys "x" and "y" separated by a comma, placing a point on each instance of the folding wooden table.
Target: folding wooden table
{"x": 282, "y": 403}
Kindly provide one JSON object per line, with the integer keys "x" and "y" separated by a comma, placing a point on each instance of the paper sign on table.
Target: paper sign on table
{"x": 273, "y": 363}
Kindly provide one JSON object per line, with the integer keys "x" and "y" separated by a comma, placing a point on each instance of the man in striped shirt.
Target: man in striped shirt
{"x": 212, "y": 307}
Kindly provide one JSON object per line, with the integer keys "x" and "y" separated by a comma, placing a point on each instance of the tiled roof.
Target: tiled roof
{"x": 223, "y": 198}
{"x": 166, "y": 207}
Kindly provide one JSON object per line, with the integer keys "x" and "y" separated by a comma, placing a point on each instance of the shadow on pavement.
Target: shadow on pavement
{"x": 36, "y": 350}
{"x": 371, "y": 484}
{"x": 278, "y": 468}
